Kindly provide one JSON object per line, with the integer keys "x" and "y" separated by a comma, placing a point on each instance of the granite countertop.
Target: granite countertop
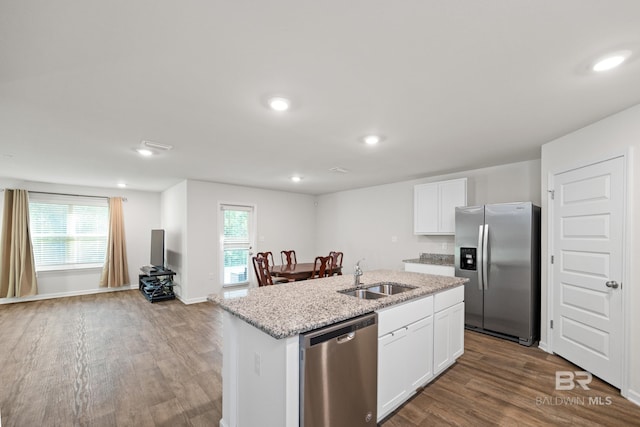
{"x": 433, "y": 259}
{"x": 292, "y": 308}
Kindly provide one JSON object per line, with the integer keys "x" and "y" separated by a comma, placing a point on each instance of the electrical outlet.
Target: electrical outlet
{"x": 394, "y": 239}
{"x": 445, "y": 246}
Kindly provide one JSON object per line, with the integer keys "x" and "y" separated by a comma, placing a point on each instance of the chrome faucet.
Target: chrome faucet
{"x": 356, "y": 274}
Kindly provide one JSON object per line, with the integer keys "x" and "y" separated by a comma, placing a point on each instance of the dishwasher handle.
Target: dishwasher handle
{"x": 346, "y": 337}
{"x": 344, "y": 332}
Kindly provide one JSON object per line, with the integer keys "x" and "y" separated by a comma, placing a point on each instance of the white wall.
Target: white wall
{"x": 284, "y": 221}
{"x": 141, "y": 214}
{"x": 611, "y": 136}
{"x": 362, "y": 223}
{"x": 173, "y": 217}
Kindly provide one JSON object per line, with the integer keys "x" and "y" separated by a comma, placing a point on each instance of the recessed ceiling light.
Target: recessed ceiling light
{"x": 371, "y": 139}
{"x": 611, "y": 61}
{"x": 122, "y": 185}
{"x": 279, "y": 104}
{"x": 144, "y": 152}
{"x": 296, "y": 178}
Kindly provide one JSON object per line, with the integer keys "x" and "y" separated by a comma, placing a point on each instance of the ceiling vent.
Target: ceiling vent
{"x": 338, "y": 169}
{"x": 157, "y": 145}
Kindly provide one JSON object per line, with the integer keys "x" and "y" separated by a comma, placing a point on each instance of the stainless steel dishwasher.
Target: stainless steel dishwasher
{"x": 339, "y": 374}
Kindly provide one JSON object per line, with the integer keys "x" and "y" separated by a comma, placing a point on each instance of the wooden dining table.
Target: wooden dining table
{"x": 299, "y": 271}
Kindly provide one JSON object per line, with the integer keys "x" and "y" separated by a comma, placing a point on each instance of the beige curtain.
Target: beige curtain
{"x": 116, "y": 271}
{"x": 17, "y": 268}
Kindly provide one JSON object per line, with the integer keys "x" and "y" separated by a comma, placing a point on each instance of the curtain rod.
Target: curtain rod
{"x": 124, "y": 199}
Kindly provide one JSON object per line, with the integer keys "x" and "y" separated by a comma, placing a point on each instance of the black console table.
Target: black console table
{"x": 156, "y": 284}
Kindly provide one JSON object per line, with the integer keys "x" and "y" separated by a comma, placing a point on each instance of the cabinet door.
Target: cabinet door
{"x": 420, "y": 367}
{"x": 425, "y": 208}
{"x": 442, "y": 331}
{"x": 393, "y": 352}
{"x": 457, "y": 330}
{"x": 450, "y": 194}
{"x": 448, "y": 337}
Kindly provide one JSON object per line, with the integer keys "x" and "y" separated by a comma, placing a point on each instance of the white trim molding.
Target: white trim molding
{"x": 65, "y": 294}
{"x": 633, "y": 396}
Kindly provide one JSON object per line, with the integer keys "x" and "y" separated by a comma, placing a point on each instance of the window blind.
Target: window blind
{"x": 67, "y": 231}
{"x": 236, "y": 228}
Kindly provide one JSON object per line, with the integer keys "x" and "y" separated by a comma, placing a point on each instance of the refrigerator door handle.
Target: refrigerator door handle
{"x": 479, "y": 256}
{"x": 485, "y": 257}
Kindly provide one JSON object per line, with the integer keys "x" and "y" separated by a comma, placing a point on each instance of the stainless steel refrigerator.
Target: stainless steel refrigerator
{"x": 498, "y": 248}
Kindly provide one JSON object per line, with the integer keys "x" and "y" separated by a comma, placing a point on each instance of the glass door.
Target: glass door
{"x": 237, "y": 230}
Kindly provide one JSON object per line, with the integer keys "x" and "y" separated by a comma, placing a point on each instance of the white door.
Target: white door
{"x": 587, "y": 224}
{"x": 237, "y": 239}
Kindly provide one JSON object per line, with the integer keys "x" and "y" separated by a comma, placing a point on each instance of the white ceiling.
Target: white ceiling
{"x": 452, "y": 85}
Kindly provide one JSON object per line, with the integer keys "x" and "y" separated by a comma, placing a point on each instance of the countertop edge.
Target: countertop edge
{"x": 351, "y": 308}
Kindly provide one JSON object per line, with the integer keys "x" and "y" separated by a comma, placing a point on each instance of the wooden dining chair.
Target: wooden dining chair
{"x": 269, "y": 256}
{"x": 290, "y": 257}
{"x": 321, "y": 267}
{"x": 336, "y": 262}
{"x": 263, "y": 271}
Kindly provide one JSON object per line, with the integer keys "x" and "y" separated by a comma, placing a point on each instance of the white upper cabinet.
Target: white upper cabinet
{"x": 435, "y": 203}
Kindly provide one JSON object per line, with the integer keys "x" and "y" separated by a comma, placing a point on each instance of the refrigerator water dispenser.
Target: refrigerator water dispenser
{"x": 468, "y": 259}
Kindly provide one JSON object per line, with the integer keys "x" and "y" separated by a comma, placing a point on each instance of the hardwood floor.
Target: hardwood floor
{"x": 498, "y": 382}
{"x": 110, "y": 359}
{"x": 114, "y": 359}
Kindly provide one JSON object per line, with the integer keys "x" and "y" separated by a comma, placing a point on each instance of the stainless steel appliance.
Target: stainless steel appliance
{"x": 498, "y": 248}
{"x": 339, "y": 374}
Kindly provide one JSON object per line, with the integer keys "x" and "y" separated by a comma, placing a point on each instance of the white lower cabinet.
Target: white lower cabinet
{"x": 417, "y": 340}
{"x": 393, "y": 352}
{"x": 405, "y": 354}
{"x": 420, "y": 370}
{"x": 448, "y": 332}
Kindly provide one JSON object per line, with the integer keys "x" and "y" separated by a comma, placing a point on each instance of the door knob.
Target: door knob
{"x": 612, "y": 284}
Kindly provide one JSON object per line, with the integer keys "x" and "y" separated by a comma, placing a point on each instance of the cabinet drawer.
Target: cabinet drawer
{"x": 448, "y": 298}
{"x": 399, "y": 316}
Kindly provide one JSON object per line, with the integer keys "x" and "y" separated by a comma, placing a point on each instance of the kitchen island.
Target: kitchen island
{"x": 261, "y": 338}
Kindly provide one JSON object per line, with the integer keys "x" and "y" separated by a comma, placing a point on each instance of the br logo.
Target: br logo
{"x": 567, "y": 380}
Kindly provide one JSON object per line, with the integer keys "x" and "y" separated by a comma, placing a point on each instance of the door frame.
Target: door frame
{"x": 252, "y": 241}
{"x": 627, "y": 280}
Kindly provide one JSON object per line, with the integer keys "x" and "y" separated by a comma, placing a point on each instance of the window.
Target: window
{"x": 68, "y": 232}
{"x": 237, "y": 227}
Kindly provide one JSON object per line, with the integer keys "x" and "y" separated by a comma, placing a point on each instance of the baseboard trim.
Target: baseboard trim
{"x": 542, "y": 345}
{"x": 65, "y": 294}
{"x": 633, "y": 396}
{"x": 191, "y": 300}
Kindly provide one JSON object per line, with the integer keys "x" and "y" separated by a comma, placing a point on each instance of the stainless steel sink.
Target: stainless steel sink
{"x": 363, "y": 294}
{"x": 378, "y": 290}
{"x": 389, "y": 288}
